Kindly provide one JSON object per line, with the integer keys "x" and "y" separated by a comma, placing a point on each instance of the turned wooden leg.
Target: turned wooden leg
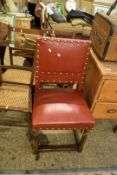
{"x": 11, "y": 56}
{"x": 76, "y": 138}
{"x": 115, "y": 129}
{"x": 29, "y": 133}
{"x": 35, "y": 144}
{"x": 82, "y": 141}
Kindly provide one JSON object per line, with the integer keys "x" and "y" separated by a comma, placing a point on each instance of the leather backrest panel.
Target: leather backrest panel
{"x": 61, "y": 60}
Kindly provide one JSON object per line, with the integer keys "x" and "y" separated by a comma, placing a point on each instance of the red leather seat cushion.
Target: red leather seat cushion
{"x": 60, "y": 109}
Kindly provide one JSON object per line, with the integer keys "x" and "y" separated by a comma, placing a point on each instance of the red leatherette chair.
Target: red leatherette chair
{"x": 60, "y": 60}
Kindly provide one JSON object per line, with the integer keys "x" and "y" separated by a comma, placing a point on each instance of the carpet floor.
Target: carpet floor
{"x": 100, "y": 150}
{"x": 65, "y": 172}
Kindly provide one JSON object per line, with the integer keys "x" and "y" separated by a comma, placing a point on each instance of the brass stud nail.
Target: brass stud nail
{"x": 59, "y": 55}
{"x": 49, "y": 50}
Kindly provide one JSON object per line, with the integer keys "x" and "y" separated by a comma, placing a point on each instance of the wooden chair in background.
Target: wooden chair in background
{"x": 22, "y": 42}
{"x": 16, "y": 86}
{"x": 60, "y": 60}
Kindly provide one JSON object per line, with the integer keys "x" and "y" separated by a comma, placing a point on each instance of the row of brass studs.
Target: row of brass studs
{"x": 65, "y": 40}
{"x": 61, "y": 73}
{"x": 63, "y": 129}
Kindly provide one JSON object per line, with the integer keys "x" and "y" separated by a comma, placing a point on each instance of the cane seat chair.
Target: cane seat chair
{"x": 16, "y": 88}
{"x": 15, "y": 85}
{"x": 60, "y": 60}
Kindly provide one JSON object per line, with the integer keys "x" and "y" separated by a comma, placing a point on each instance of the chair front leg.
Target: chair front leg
{"x": 11, "y": 56}
{"x": 29, "y": 133}
{"x": 83, "y": 140}
{"x": 115, "y": 129}
{"x": 35, "y": 144}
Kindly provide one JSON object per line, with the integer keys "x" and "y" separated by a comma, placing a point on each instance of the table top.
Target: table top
{"x": 105, "y": 67}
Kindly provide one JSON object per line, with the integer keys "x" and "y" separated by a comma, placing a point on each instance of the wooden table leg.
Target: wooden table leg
{"x": 115, "y": 129}
{"x": 2, "y": 52}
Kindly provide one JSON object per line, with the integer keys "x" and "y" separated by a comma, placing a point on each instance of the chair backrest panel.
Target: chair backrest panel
{"x": 61, "y": 60}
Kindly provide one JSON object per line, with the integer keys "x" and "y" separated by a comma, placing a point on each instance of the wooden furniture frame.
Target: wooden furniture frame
{"x": 102, "y": 96}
